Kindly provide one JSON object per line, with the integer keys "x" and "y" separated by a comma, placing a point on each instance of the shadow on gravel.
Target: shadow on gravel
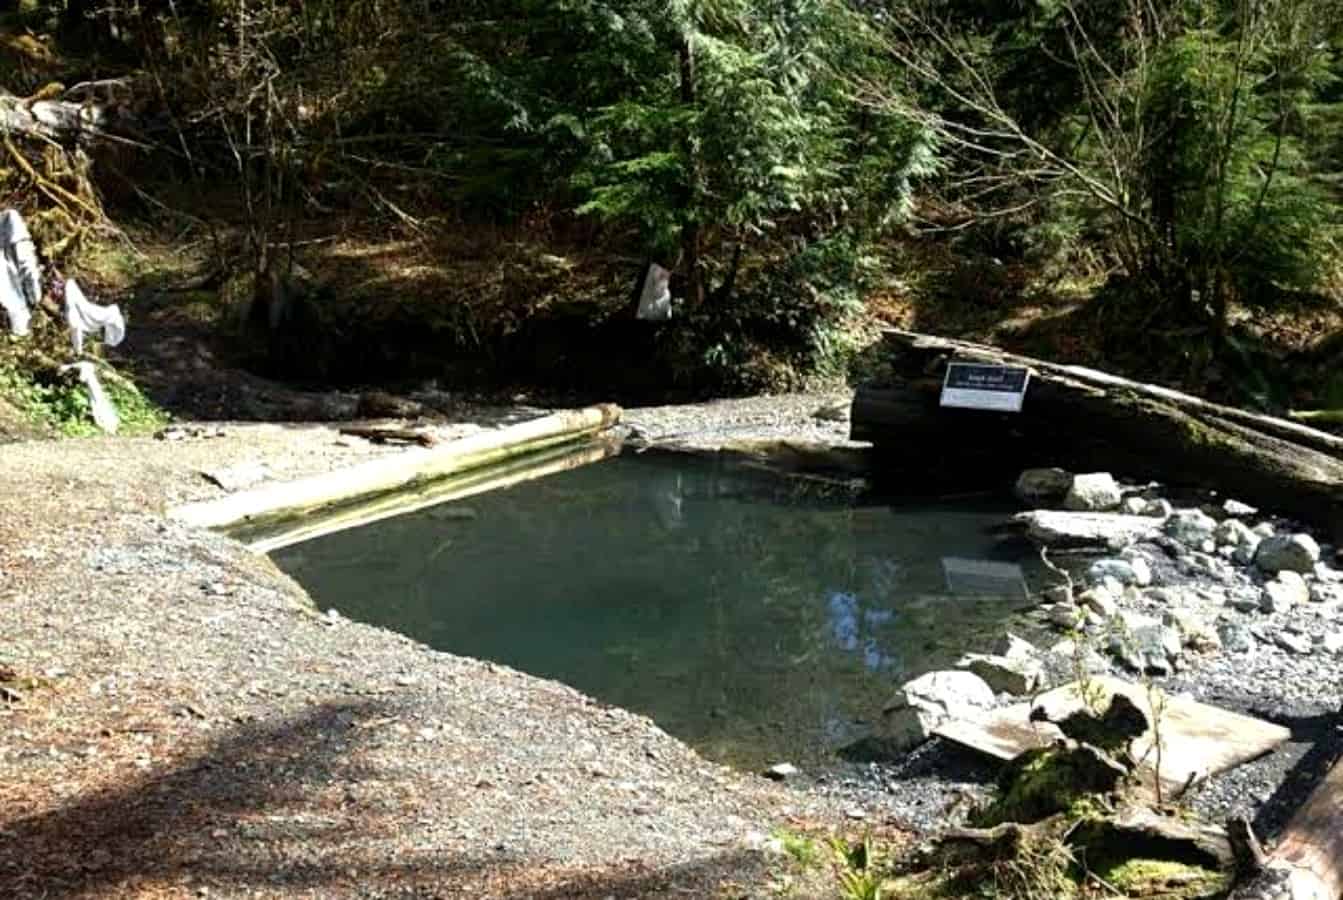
{"x": 284, "y": 808}
{"x": 1323, "y": 733}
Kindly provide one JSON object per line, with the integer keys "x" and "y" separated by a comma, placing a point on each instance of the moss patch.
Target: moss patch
{"x": 1165, "y": 879}
{"x": 1046, "y": 782}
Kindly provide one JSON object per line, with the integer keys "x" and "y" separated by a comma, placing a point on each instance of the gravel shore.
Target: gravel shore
{"x": 180, "y": 721}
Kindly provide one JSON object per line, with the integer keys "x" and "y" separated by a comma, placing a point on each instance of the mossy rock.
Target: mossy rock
{"x": 1071, "y": 779}
{"x": 1162, "y": 878}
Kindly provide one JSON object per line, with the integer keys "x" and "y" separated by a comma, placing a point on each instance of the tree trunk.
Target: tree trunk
{"x": 1087, "y": 420}
{"x": 1307, "y": 864}
{"x": 690, "y": 231}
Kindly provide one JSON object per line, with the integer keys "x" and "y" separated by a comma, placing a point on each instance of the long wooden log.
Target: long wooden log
{"x": 1307, "y": 863}
{"x": 395, "y": 472}
{"x": 1082, "y": 419}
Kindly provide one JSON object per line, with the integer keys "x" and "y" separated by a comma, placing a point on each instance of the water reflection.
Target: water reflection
{"x": 756, "y": 617}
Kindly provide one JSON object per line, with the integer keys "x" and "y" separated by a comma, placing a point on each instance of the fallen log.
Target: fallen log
{"x": 409, "y": 467}
{"x": 1307, "y": 863}
{"x": 1084, "y": 420}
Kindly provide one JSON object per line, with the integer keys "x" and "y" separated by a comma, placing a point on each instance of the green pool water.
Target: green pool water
{"x": 757, "y": 617}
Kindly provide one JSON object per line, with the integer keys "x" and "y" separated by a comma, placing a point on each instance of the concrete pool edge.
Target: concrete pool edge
{"x": 293, "y": 499}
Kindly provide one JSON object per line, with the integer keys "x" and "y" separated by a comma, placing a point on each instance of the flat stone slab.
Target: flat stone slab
{"x": 1197, "y": 740}
{"x": 1085, "y": 529}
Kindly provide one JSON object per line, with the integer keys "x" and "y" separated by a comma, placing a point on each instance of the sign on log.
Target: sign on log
{"x": 977, "y": 386}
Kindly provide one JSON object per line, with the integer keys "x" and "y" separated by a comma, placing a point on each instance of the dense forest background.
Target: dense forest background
{"x": 354, "y": 191}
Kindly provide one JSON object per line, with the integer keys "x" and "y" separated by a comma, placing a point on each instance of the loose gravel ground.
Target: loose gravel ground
{"x": 179, "y": 721}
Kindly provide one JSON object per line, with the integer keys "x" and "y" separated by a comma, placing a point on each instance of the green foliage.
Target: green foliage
{"x": 802, "y": 849}
{"x": 53, "y": 402}
{"x": 858, "y": 869}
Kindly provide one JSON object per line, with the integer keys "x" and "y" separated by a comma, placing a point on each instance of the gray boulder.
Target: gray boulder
{"x": 1191, "y": 527}
{"x": 1043, "y": 487}
{"x": 1005, "y": 674}
{"x": 924, "y": 703}
{"x": 1290, "y": 552}
{"x": 1325, "y": 592}
{"x": 1094, "y": 492}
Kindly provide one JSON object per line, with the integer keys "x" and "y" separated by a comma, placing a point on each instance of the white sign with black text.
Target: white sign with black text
{"x": 979, "y": 386}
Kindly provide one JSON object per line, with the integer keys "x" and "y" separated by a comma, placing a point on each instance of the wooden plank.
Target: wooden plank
{"x": 1197, "y": 740}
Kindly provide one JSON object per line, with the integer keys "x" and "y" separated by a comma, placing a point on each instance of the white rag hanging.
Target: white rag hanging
{"x": 104, "y": 412}
{"x": 11, "y": 299}
{"x": 21, "y": 254}
{"x": 90, "y": 318}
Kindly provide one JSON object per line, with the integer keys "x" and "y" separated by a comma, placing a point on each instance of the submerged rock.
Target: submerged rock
{"x": 1043, "y": 487}
{"x": 1290, "y": 552}
{"x": 1094, "y": 492}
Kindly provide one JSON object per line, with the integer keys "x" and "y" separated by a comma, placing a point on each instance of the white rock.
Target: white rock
{"x": 1100, "y": 600}
{"x": 1294, "y": 552}
{"x": 1042, "y": 487}
{"x": 1133, "y": 506}
{"x": 1296, "y": 643}
{"x": 1333, "y": 642}
{"x": 1238, "y": 509}
{"x": 1013, "y": 647}
{"x": 1287, "y": 590}
{"x": 1133, "y": 571}
{"x": 1078, "y": 529}
{"x": 922, "y": 704}
{"x": 1093, "y": 492}
{"x": 1264, "y": 529}
{"x": 781, "y": 771}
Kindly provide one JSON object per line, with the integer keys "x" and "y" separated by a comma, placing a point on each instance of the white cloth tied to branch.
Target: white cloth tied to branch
{"x": 104, "y": 412}
{"x": 86, "y": 317}
{"x": 20, "y": 277}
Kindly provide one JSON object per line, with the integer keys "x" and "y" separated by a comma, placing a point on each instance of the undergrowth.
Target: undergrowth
{"x": 58, "y": 403}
